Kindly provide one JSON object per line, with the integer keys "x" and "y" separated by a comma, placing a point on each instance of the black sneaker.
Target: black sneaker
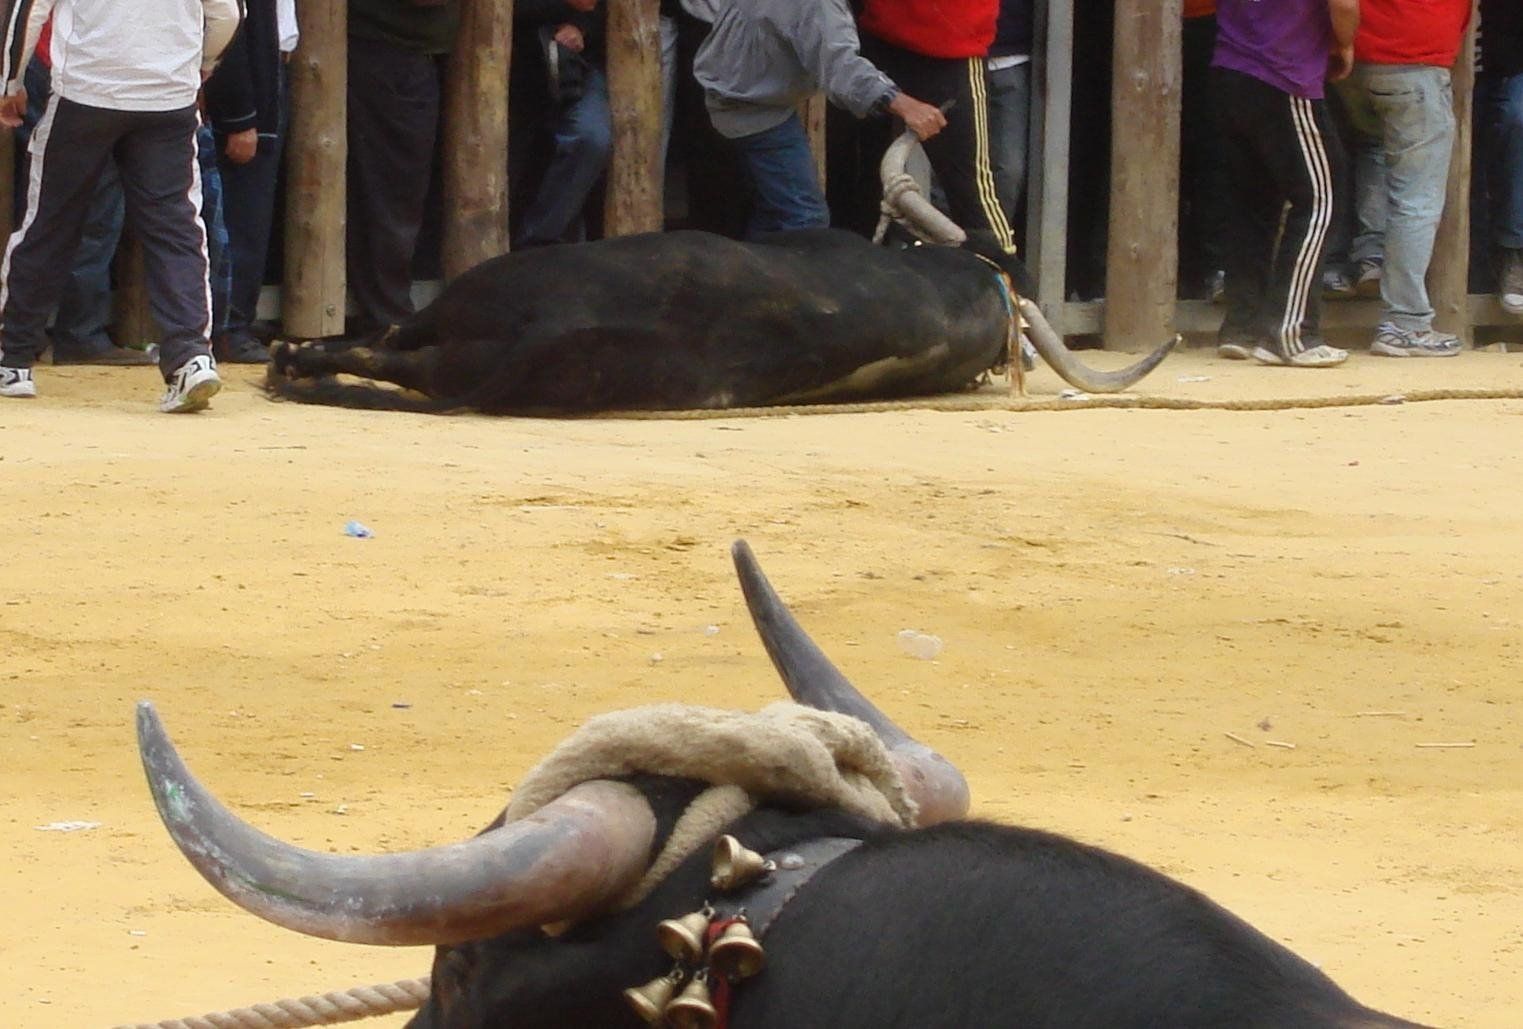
{"x": 239, "y": 350}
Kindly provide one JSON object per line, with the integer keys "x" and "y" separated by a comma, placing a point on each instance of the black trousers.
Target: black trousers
{"x": 1202, "y": 183}
{"x": 959, "y": 153}
{"x": 1283, "y": 163}
{"x": 155, "y": 152}
{"x": 393, "y": 120}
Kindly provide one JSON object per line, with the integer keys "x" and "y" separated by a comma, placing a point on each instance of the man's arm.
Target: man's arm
{"x": 1345, "y": 15}
{"x": 23, "y": 24}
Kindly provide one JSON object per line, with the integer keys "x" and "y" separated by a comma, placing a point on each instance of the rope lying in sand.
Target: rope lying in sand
{"x": 321, "y": 1009}
{"x": 986, "y": 401}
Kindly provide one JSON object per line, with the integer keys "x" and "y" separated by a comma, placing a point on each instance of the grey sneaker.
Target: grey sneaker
{"x": 191, "y": 387}
{"x": 1320, "y": 356}
{"x": 17, "y": 382}
{"x": 1236, "y": 344}
{"x": 1510, "y": 290}
{"x": 1393, "y": 342}
{"x": 1367, "y": 280}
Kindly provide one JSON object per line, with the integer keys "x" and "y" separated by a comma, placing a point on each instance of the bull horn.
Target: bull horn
{"x": 1073, "y": 371}
{"x": 570, "y": 859}
{"x": 903, "y": 199}
{"x": 938, "y": 788}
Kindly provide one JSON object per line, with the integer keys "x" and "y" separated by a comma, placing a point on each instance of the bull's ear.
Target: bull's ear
{"x": 983, "y": 243}
{"x": 937, "y": 786}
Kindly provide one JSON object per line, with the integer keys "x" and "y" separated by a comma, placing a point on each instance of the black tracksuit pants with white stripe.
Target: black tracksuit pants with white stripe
{"x": 155, "y": 152}
{"x": 959, "y": 153}
{"x": 1283, "y": 165}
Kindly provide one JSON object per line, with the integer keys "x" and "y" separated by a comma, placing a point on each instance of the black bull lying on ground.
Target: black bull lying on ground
{"x": 690, "y": 320}
{"x": 950, "y": 923}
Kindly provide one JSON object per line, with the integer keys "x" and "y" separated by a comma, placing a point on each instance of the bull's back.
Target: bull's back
{"x": 974, "y": 925}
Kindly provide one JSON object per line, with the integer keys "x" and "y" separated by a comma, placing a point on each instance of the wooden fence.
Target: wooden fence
{"x": 1142, "y": 255}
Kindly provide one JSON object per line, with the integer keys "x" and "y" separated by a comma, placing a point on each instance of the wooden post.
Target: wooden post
{"x": 1449, "y": 271}
{"x": 634, "y": 200}
{"x": 476, "y": 137}
{"x": 1142, "y": 260}
{"x": 312, "y": 297}
{"x": 132, "y": 323}
{"x": 1047, "y": 189}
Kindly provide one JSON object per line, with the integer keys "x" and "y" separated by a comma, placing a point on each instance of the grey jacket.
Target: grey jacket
{"x": 763, "y": 57}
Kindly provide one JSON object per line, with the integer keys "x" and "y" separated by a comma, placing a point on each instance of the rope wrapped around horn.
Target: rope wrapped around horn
{"x": 905, "y": 203}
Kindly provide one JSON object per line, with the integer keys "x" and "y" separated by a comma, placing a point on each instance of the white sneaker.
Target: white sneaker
{"x": 192, "y": 386}
{"x": 17, "y": 382}
{"x": 1391, "y": 341}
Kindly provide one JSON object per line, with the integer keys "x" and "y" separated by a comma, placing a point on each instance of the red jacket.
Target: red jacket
{"x": 1411, "y": 31}
{"x": 935, "y": 28}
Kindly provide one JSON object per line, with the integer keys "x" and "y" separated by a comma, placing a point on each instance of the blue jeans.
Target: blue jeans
{"x": 1503, "y": 123}
{"x": 1413, "y": 105}
{"x": 781, "y": 167}
{"x": 1009, "y": 131}
{"x": 583, "y": 132}
{"x": 221, "y": 271}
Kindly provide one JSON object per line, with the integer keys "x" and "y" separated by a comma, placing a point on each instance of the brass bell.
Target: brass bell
{"x": 683, "y": 938}
{"x": 737, "y": 954}
{"x": 734, "y": 866}
{"x": 693, "y": 1009}
{"x": 650, "y": 1000}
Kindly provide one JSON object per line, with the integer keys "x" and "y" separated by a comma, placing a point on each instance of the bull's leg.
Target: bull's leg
{"x": 411, "y": 370}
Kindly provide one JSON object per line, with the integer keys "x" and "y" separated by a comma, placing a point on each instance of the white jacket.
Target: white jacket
{"x": 126, "y": 55}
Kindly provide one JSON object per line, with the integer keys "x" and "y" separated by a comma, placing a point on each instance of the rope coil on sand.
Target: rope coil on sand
{"x": 988, "y": 400}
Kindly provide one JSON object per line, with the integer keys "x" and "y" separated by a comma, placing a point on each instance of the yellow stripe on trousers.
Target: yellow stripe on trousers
{"x": 983, "y": 166}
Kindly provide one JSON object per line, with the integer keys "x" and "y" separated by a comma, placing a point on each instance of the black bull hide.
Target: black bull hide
{"x": 690, "y": 320}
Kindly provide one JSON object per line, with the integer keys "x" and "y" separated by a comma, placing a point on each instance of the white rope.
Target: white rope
{"x": 324, "y": 1009}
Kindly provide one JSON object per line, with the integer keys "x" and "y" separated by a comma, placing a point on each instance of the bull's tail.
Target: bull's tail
{"x": 368, "y": 396}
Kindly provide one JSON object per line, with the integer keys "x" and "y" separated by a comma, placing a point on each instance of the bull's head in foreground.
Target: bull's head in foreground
{"x": 877, "y": 906}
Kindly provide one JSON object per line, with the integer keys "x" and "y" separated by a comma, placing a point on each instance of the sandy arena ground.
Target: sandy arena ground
{"x": 1118, "y": 591}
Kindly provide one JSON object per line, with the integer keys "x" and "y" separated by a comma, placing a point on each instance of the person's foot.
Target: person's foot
{"x": 192, "y": 386}
{"x": 1337, "y": 284}
{"x": 1320, "y": 356}
{"x": 17, "y": 382}
{"x": 1391, "y": 341}
{"x": 1510, "y": 288}
{"x": 1367, "y": 279}
{"x": 239, "y": 349}
{"x": 1237, "y": 345}
{"x": 109, "y": 354}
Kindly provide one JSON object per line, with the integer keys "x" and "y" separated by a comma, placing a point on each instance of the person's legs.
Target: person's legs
{"x": 1009, "y": 131}
{"x": 1505, "y": 178}
{"x": 212, "y": 216}
{"x": 1306, "y": 172}
{"x": 583, "y": 133}
{"x": 1416, "y": 109}
{"x": 1289, "y": 141}
{"x": 248, "y": 210}
{"x": 782, "y": 171}
{"x": 162, "y": 180}
{"x": 70, "y": 147}
{"x": 1252, "y": 220}
{"x": 393, "y": 119}
{"x": 84, "y": 309}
